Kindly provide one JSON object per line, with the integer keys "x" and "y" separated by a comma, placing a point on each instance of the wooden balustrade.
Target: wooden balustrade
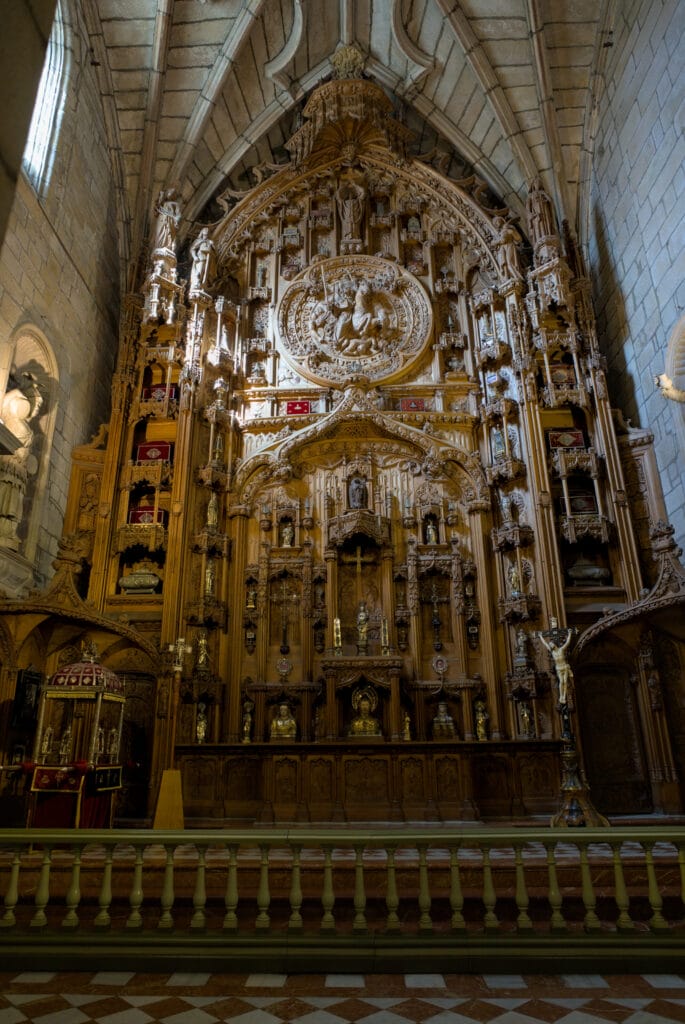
{"x": 456, "y": 899}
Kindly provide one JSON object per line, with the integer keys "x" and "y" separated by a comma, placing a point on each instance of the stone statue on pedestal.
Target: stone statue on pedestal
{"x": 204, "y": 263}
{"x": 168, "y": 212}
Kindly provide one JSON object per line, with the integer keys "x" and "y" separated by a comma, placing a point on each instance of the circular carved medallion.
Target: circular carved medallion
{"x": 354, "y": 316}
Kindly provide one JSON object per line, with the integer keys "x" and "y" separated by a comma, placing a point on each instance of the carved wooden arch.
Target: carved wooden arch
{"x": 8, "y": 652}
{"x": 429, "y": 455}
{"x": 379, "y": 159}
{"x": 39, "y": 618}
{"x": 373, "y": 676}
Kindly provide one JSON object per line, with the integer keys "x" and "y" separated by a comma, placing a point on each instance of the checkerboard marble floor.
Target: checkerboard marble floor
{"x": 127, "y": 998}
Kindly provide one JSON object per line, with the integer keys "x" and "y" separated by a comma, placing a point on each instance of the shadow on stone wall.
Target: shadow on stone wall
{"x": 612, "y": 324}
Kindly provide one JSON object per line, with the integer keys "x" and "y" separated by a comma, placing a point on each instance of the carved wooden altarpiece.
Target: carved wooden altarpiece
{"x": 352, "y": 470}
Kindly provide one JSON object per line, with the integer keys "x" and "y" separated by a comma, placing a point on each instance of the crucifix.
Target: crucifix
{"x": 284, "y": 598}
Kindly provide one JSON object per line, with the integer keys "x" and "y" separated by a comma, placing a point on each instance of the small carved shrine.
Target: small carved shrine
{"x": 361, "y": 456}
{"x": 76, "y": 760}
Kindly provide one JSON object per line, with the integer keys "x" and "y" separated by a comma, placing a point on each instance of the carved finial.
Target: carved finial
{"x": 89, "y": 651}
{"x": 348, "y": 62}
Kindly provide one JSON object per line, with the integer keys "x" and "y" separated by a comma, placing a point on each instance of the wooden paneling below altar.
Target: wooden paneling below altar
{"x": 361, "y": 782}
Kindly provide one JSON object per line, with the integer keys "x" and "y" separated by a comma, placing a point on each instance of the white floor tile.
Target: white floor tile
{"x": 11, "y": 1015}
{"x": 192, "y": 1016}
{"x": 424, "y": 981}
{"x": 266, "y": 981}
{"x": 665, "y": 980}
{"x": 117, "y": 978}
{"x": 504, "y": 981}
{"x": 34, "y": 977}
{"x": 177, "y": 980}
{"x": 345, "y": 981}
{"x": 584, "y": 981}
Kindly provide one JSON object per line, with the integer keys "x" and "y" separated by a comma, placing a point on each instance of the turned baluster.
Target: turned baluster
{"x": 12, "y": 895}
{"x": 557, "y": 922}
{"x": 231, "y": 897}
{"x": 135, "y": 899}
{"x": 103, "y": 920}
{"x": 657, "y": 922}
{"x": 392, "y": 900}
{"x": 39, "y": 920}
{"x": 198, "y": 919}
{"x": 167, "y": 899}
{"x": 591, "y": 921}
{"x": 523, "y": 921}
{"x": 263, "y": 895}
{"x": 681, "y": 864}
{"x": 425, "y": 922}
{"x": 328, "y": 894}
{"x": 489, "y": 895}
{"x": 295, "y": 921}
{"x": 359, "y": 923}
{"x": 73, "y": 895}
{"x": 624, "y": 922}
{"x": 456, "y": 894}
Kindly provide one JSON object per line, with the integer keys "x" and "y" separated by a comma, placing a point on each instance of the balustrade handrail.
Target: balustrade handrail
{"x": 450, "y": 895}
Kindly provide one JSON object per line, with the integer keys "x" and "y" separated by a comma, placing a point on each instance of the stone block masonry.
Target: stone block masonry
{"x": 637, "y": 273}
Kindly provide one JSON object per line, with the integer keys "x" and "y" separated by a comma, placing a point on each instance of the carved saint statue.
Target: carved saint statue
{"x": 350, "y": 198}
{"x": 283, "y": 725}
{"x": 481, "y": 720}
{"x": 431, "y": 532}
{"x": 212, "y": 512}
{"x": 358, "y": 494}
{"x": 526, "y": 720}
{"x": 362, "y": 624}
{"x": 248, "y": 708}
{"x": 210, "y": 578}
{"x": 19, "y": 406}
{"x": 443, "y": 724}
{"x": 168, "y": 212}
{"x": 201, "y": 723}
{"x": 65, "y": 747}
{"x": 514, "y": 581}
{"x": 202, "y": 650}
{"x": 364, "y": 724}
{"x": 541, "y": 223}
{"x": 204, "y": 263}
{"x": 113, "y": 745}
{"x": 507, "y": 251}
{"x": 287, "y": 534}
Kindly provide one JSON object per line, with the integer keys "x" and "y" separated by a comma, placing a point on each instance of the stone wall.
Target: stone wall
{"x": 59, "y": 271}
{"x": 637, "y": 250}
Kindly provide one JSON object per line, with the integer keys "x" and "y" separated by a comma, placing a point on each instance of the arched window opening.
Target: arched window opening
{"x": 39, "y": 154}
